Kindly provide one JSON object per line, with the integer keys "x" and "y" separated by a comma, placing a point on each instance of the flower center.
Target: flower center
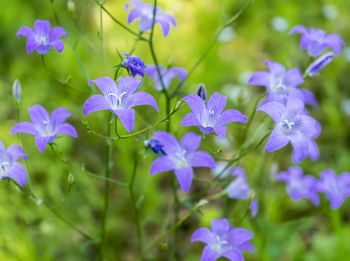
{"x": 43, "y": 40}
{"x": 278, "y": 87}
{"x": 220, "y": 245}
{"x": 180, "y": 159}
{"x": 4, "y": 167}
{"x": 115, "y": 101}
{"x": 286, "y": 126}
{"x": 210, "y": 121}
{"x": 46, "y": 130}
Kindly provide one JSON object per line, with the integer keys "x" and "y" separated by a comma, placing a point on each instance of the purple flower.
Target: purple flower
{"x": 9, "y": 167}
{"x": 134, "y": 64}
{"x": 167, "y": 75}
{"x": 145, "y": 13}
{"x": 201, "y": 92}
{"x": 45, "y": 128}
{"x": 316, "y": 41}
{"x": 300, "y": 186}
{"x": 42, "y": 37}
{"x": 320, "y": 63}
{"x": 155, "y": 145}
{"x": 292, "y": 125}
{"x": 181, "y": 157}
{"x": 238, "y": 189}
{"x": 281, "y": 84}
{"x": 119, "y": 99}
{"x": 223, "y": 240}
{"x": 336, "y": 188}
{"x": 254, "y": 208}
{"x": 211, "y": 116}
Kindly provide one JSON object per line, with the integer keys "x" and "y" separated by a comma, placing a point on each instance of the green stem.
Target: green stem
{"x": 101, "y": 39}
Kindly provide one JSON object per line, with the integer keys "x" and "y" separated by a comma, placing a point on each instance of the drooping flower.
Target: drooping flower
{"x": 254, "y": 208}
{"x": 145, "y": 13}
{"x": 134, "y": 64}
{"x": 201, "y": 92}
{"x": 155, "y": 146}
{"x": 292, "y": 125}
{"x": 223, "y": 240}
{"x": 336, "y": 188}
{"x": 45, "y": 128}
{"x": 211, "y": 116}
{"x": 42, "y": 38}
{"x": 300, "y": 186}
{"x": 181, "y": 157}
{"x": 239, "y": 188}
{"x": 316, "y": 40}
{"x": 320, "y": 63}
{"x": 119, "y": 99}
{"x": 9, "y": 167}
{"x": 281, "y": 84}
{"x": 167, "y": 75}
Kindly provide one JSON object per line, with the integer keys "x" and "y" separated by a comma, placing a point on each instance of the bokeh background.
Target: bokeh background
{"x": 283, "y": 230}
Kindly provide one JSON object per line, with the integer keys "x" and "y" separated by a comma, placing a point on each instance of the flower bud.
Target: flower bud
{"x": 70, "y": 179}
{"x": 155, "y": 145}
{"x": 319, "y": 63}
{"x": 202, "y": 92}
{"x": 17, "y": 91}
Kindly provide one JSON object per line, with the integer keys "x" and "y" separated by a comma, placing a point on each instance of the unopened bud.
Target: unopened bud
{"x": 17, "y": 91}
{"x": 319, "y": 63}
{"x": 202, "y": 92}
{"x": 71, "y": 5}
{"x": 155, "y": 145}
{"x": 70, "y": 179}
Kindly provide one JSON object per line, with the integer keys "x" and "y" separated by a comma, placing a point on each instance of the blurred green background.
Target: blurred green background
{"x": 283, "y": 230}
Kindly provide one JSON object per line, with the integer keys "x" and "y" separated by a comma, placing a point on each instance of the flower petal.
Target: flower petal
{"x": 191, "y": 141}
{"x": 18, "y": 173}
{"x": 221, "y": 131}
{"x": 260, "y": 78}
{"x": 273, "y": 109}
{"x": 197, "y": 106}
{"x": 67, "y": 129}
{"x": 39, "y": 115}
{"x": 184, "y": 176}
{"x": 209, "y": 254}
{"x": 128, "y": 84}
{"x": 202, "y": 159}
{"x": 309, "y": 97}
{"x": 57, "y": 32}
{"x": 15, "y": 152}
{"x": 24, "y": 127}
{"x": 314, "y": 152}
{"x": 202, "y": 234}
{"x": 190, "y": 120}
{"x": 220, "y": 227}
{"x": 293, "y": 77}
{"x": 41, "y": 142}
{"x": 58, "y": 44}
{"x": 173, "y": 72}
{"x": 31, "y": 45}
{"x": 25, "y": 31}
{"x": 127, "y": 118}
{"x": 106, "y": 84}
{"x": 42, "y": 27}
{"x": 96, "y": 102}
{"x": 275, "y": 68}
{"x": 230, "y": 115}
{"x": 143, "y": 98}
{"x": 216, "y": 102}
{"x": 300, "y": 147}
{"x": 145, "y": 22}
{"x": 161, "y": 164}
{"x": 58, "y": 117}
{"x": 234, "y": 255}
{"x": 298, "y": 29}
{"x": 238, "y": 236}
{"x": 335, "y": 42}
{"x": 277, "y": 140}
{"x": 134, "y": 14}
{"x": 169, "y": 142}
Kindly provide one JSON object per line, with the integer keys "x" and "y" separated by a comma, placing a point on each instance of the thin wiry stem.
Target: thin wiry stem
{"x": 101, "y": 39}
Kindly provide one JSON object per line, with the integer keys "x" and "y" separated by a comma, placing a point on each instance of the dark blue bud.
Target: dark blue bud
{"x": 134, "y": 64}
{"x": 155, "y": 145}
{"x": 202, "y": 92}
{"x": 319, "y": 63}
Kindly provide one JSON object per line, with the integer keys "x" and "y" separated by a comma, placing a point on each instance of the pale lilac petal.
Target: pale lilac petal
{"x": 106, "y": 84}
{"x": 25, "y": 31}
{"x": 229, "y": 116}
{"x": 247, "y": 247}
{"x": 293, "y": 78}
{"x": 161, "y": 164}
{"x": 169, "y": 142}
{"x": 277, "y": 140}
{"x": 145, "y": 23}
{"x": 220, "y": 226}
{"x": 42, "y": 49}
{"x": 202, "y": 234}
{"x": 298, "y": 29}
{"x": 143, "y": 98}
{"x": 31, "y": 45}
{"x": 190, "y": 120}
{"x": 164, "y": 20}
{"x": 57, "y": 32}
{"x": 41, "y": 142}
{"x": 42, "y": 27}
{"x": 206, "y": 129}
{"x": 221, "y": 131}
{"x": 127, "y": 118}
{"x": 18, "y": 173}
{"x": 58, "y": 117}
{"x": 184, "y": 176}
{"x": 314, "y": 152}
{"x": 216, "y": 102}
{"x": 275, "y": 68}
{"x": 24, "y": 127}
{"x": 173, "y": 72}
{"x": 309, "y": 97}
{"x": 273, "y": 109}
{"x": 294, "y": 106}
{"x": 134, "y": 14}
{"x": 260, "y": 78}
{"x": 58, "y": 44}
{"x": 67, "y": 129}
{"x": 234, "y": 255}
{"x": 335, "y": 42}
{"x": 202, "y": 159}
{"x": 38, "y": 115}
{"x": 190, "y": 142}
{"x": 197, "y": 105}
{"x": 128, "y": 84}
{"x": 209, "y": 254}
{"x": 96, "y": 102}
{"x": 300, "y": 147}
{"x": 15, "y": 152}
{"x": 238, "y": 236}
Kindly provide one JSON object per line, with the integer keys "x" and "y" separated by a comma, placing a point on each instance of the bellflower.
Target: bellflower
{"x": 219, "y": 167}
{"x": 155, "y": 146}
{"x": 201, "y": 92}
{"x": 134, "y": 64}
{"x": 17, "y": 91}
{"x": 167, "y": 75}
{"x": 320, "y": 63}
{"x": 316, "y": 41}
{"x": 119, "y": 99}
{"x": 45, "y": 128}
{"x": 223, "y": 240}
{"x": 281, "y": 83}
{"x": 181, "y": 157}
{"x": 254, "y": 208}
{"x": 300, "y": 186}
{"x": 211, "y": 116}
{"x": 292, "y": 125}
{"x": 145, "y": 13}
{"x": 42, "y": 38}
{"x": 336, "y": 188}
{"x": 238, "y": 189}
{"x": 9, "y": 167}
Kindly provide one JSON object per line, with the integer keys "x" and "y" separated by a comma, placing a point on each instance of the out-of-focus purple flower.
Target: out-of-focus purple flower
{"x": 167, "y": 75}
{"x": 134, "y": 64}
{"x": 145, "y": 13}
{"x": 238, "y": 189}
{"x": 181, "y": 157}
{"x": 42, "y": 38}
{"x": 223, "y": 240}
{"x": 202, "y": 92}
{"x": 155, "y": 145}
{"x": 17, "y": 91}
{"x": 119, "y": 99}
{"x": 254, "y": 208}
{"x": 292, "y": 125}
{"x": 316, "y": 41}
{"x": 280, "y": 84}
{"x": 220, "y": 166}
{"x": 319, "y": 63}
{"x": 211, "y": 116}
{"x": 300, "y": 186}
{"x": 9, "y": 167}
{"x": 336, "y": 188}
{"x": 45, "y": 128}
